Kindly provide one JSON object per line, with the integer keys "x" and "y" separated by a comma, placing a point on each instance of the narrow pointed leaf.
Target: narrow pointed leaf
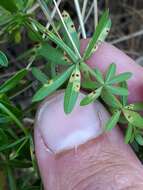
{"x": 13, "y": 81}
{"x": 3, "y": 137}
{"x": 39, "y": 75}
{"x": 32, "y": 150}
{"x": 52, "y": 85}
{"x": 4, "y": 119}
{"x": 117, "y": 90}
{"x": 85, "y": 72}
{"x": 63, "y": 46}
{"x": 90, "y": 85}
{"x": 139, "y": 139}
{"x": 138, "y": 106}
{"x": 72, "y": 90}
{"x": 124, "y": 99}
{"x": 99, "y": 36}
{"x": 99, "y": 76}
{"x": 120, "y": 78}
{"x": 11, "y": 145}
{"x": 3, "y": 60}
{"x": 133, "y": 118}
{"x": 17, "y": 112}
{"x": 110, "y": 99}
{"x": 113, "y": 121}
{"x": 18, "y": 149}
{"x": 72, "y": 31}
{"x": 54, "y": 55}
{"x": 9, "y": 5}
{"x": 91, "y": 97}
{"x": 123, "y": 120}
{"x": 128, "y": 135}
{"x": 110, "y": 72}
{"x": 5, "y": 110}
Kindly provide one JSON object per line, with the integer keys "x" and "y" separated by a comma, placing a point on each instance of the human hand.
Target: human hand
{"x": 71, "y": 152}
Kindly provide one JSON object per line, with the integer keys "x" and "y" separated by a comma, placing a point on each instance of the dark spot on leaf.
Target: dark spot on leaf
{"x": 64, "y": 15}
{"x": 84, "y": 72}
{"x": 65, "y": 59}
{"x": 77, "y": 86}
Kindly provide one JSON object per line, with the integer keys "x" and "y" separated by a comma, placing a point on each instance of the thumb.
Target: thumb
{"x": 69, "y": 155}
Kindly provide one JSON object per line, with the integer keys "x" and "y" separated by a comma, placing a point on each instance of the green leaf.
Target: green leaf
{"x": 4, "y": 109}
{"x": 139, "y": 139}
{"x": 85, "y": 73}
{"x": 117, "y": 90}
{"x": 13, "y": 81}
{"x": 3, "y": 137}
{"x": 9, "y": 5}
{"x": 99, "y": 76}
{"x": 16, "y": 153}
{"x": 72, "y": 90}
{"x": 91, "y": 97}
{"x": 110, "y": 99}
{"x": 3, "y": 59}
{"x": 63, "y": 46}
{"x": 4, "y": 119}
{"x": 11, "y": 145}
{"x": 32, "y": 149}
{"x": 54, "y": 55}
{"x": 123, "y": 120}
{"x": 133, "y": 118}
{"x": 110, "y": 72}
{"x": 120, "y": 78}
{"x": 99, "y": 36}
{"x": 12, "y": 108}
{"x": 89, "y": 85}
{"x": 52, "y": 85}
{"x": 10, "y": 177}
{"x": 72, "y": 31}
{"x": 39, "y": 75}
{"x": 16, "y": 163}
{"x": 113, "y": 120}
{"x": 124, "y": 99}
{"x": 138, "y": 106}
{"x": 128, "y": 135}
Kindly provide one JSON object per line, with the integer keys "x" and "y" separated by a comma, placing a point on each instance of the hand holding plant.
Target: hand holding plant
{"x": 90, "y": 90}
{"x": 103, "y": 162}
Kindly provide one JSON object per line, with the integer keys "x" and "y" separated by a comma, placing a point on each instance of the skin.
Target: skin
{"x": 102, "y": 163}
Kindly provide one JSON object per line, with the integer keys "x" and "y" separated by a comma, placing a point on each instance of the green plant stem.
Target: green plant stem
{"x": 53, "y": 14}
{"x": 32, "y": 59}
{"x": 84, "y": 8}
{"x": 33, "y": 8}
{"x": 2, "y": 107}
{"x": 11, "y": 179}
{"x": 76, "y": 2}
{"x": 95, "y": 14}
{"x": 70, "y": 38}
{"x": 46, "y": 11}
{"x": 91, "y": 71}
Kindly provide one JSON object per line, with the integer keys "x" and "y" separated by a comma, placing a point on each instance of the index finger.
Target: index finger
{"x": 107, "y": 54}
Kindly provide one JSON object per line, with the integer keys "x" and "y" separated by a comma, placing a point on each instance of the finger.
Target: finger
{"x": 72, "y": 156}
{"x": 107, "y": 54}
